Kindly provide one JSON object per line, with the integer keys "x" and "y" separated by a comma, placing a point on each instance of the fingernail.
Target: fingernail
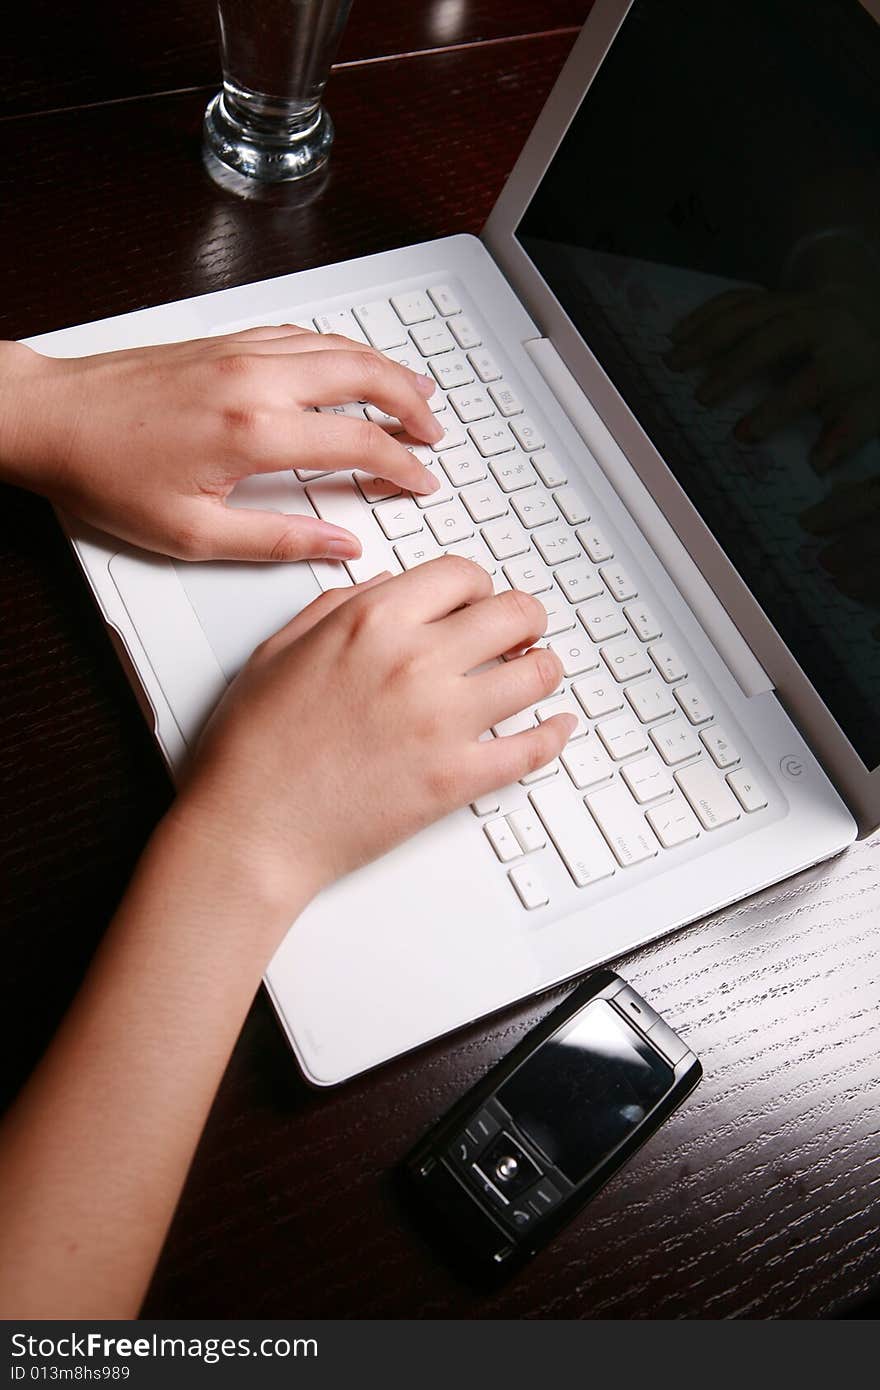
{"x": 432, "y": 482}
{"x": 571, "y": 721}
{"x": 426, "y": 384}
{"x": 341, "y": 549}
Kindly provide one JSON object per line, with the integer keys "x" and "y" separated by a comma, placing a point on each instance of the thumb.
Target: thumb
{"x": 244, "y": 534}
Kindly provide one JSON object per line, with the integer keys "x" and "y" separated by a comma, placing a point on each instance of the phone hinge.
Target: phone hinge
{"x": 740, "y": 660}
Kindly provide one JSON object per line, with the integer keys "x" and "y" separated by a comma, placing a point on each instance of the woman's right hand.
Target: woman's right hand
{"x": 358, "y": 724}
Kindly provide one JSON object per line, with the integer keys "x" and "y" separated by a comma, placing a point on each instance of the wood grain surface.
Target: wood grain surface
{"x": 760, "y": 1197}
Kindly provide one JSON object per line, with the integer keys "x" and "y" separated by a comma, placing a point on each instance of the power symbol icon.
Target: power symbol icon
{"x": 791, "y": 765}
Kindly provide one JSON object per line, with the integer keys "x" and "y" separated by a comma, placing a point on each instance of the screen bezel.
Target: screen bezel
{"x": 859, "y": 785}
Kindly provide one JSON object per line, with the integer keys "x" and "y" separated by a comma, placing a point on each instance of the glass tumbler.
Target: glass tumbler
{"x": 268, "y": 122}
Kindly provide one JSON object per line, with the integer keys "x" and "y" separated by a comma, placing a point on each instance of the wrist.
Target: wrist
{"x": 25, "y": 447}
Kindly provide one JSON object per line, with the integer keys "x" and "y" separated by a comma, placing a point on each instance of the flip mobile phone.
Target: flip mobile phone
{"x": 523, "y": 1151}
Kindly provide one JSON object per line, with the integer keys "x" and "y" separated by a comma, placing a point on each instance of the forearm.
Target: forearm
{"x": 94, "y": 1153}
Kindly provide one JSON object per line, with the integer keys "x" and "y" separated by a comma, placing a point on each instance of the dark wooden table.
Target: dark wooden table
{"x": 762, "y": 1196}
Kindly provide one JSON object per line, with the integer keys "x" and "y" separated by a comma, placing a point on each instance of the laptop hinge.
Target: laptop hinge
{"x": 740, "y": 660}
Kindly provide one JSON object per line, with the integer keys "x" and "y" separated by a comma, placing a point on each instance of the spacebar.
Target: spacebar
{"x": 337, "y": 500}
{"x": 572, "y": 831}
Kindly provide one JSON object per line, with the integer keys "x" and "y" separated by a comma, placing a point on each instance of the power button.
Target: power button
{"x": 791, "y": 766}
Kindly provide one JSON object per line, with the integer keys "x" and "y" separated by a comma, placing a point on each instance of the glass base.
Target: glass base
{"x": 268, "y": 158}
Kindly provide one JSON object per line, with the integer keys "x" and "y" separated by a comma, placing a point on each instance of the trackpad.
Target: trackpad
{"x": 239, "y": 605}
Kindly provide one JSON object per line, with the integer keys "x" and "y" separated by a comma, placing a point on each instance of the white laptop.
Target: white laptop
{"x": 728, "y": 690}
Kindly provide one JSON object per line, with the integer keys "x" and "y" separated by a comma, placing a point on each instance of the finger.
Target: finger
{"x": 782, "y": 338}
{"x": 704, "y": 313}
{"x": 316, "y": 611}
{"x": 499, "y": 624}
{"x": 330, "y": 378}
{"x": 267, "y": 332}
{"x": 857, "y": 422}
{"x": 240, "y": 533}
{"x": 719, "y": 333}
{"x": 333, "y": 442}
{"x": 501, "y": 761}
{"x": 512, "y": 686}
{"x": 437, "y": 588}
{"x": 846, "y": 505}
{"x": 799, "y": 395}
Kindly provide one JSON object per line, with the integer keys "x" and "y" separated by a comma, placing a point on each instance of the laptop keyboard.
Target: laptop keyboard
{"x": 653, "y": 764}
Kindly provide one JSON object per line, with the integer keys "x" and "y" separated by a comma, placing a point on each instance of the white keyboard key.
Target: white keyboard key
{"x": 694, "y": 703}
{"x": 453, "y": 433}
{"x": 530, "y": 887}
{"x": 352, "y": 409}
{"x": 381, "y": 324}
{"x": 587, "y": 763}
{"x": 528, "y": 436}
{"x": 337, "y": 500}
{"x": 476, "y": 551}
{"x": 540, "y": 774}
{"x": 533, "y": 506}
{"x": 416, "y": 550}
{"x": 643, "y": 622}
{"x": 486, "y": 805}
{"x": 619, "y": 582}
{"x": 622, "y": 736}
{"x": 602, "y": 619}
{"x": 341, "y": 321}
{"x": 381, "y": 417}
{"x": 650, "y": 699}
{"x": 722, "y": 751}
{"x": 648, "y": 778}
{"x": 572, "y": 506}
{"x": 444, "y": 493}
{"x": 581, "y": 847}
{"x": 748, "y": 793}
{"x": 565, "y": 705}
{"x": 527, "y": 828}
{"x": 450, "y": 522}
{"x": 528, "y": 574}
{"x": 674, "y": 822}
{"x": 502, "y": 839}
{"x": 515, "y": 724}
{"x": 492, "y": 439}
{"x": 626, "y": 659}
{"x": 376, "y": 489}
{"x": 599, "y": 695}
{"x": 576, "y": 653}
{"x": 622, "y": 824}
{"x": 483, "y": 501}
{"x": 463, "y": 465}
{"x": 675, "y": 741}
{"x": 451, "y": 371}
{"x": 557, "y": 544}
{"x": 398, "y": 518}
{"x": 466, "y": 334}
{"x": 709, "y": 795}
{"x": 485, "y": 366}
{"x": 578, "y": 581}
{"x": 549, "y": 469}
{"x": 412, "y": 306}
{"x": 667, "y": 661}
{"x": 505, "y": 538}
{"x": 596, "y": 544}
{"x": 432, "y": 337}
{"x": 505, "y": 399}
{"x": 471, "y": 403}
{"x": 511, "y": 472}
{"x": 559, "y": 616}
{"x": 444, "y": 299}
{"x": 306, "y": 475}
{"x": 406, "y": 356}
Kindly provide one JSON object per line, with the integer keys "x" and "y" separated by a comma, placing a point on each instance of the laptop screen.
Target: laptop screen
{"x": 711, "y": 224}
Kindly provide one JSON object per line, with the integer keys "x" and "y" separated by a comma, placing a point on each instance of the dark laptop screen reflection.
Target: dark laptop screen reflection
{"x": 711, "y": 223}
